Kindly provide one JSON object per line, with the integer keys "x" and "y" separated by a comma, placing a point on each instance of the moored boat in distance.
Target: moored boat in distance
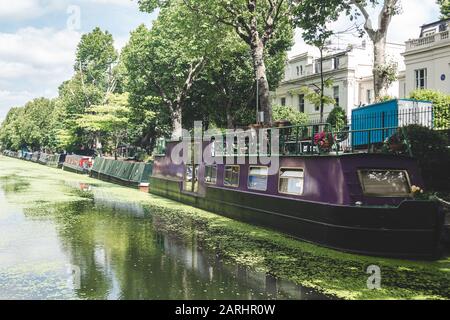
{"x": 128, "y": 173}
{"x": 78, "y": 164}
{"x": 355, "y": 201}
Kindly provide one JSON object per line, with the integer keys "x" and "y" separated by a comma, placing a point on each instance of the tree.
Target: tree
{"x": 225, "y": 94}
{"x": 166, "y": 61}
{"x": 36, "y": 123}
{"x": 337, "y": 118}
{"x": 255, "y": 22}
{"x": 28, "y": 126}
{"x": 378, "y": 35}
{"x": 10, "y": 130}
{"x": 95, "y": 78}
{"x": 317, "y": 97}
{"x": 95, "y": 58}
{"x": 295, "y": 117}
{"x": 109, "y": 123}
{"x": 312, "y": 17}
{"x": 445, "y": 8}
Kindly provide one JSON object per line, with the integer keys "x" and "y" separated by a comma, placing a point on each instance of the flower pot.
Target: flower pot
{"x": 397, "y": 147}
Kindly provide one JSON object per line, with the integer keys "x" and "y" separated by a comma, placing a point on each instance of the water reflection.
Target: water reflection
{"x": 121, "y": 254}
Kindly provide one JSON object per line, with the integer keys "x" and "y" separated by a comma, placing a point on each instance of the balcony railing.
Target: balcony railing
{"x": 428, "y": 41}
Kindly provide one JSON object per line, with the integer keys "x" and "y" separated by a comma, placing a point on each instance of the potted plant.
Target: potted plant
{"x": 396, "y": 143}
{"x": 324, "y": 141}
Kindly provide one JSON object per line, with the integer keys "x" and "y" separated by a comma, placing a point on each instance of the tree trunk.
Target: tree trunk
{"x": 177, "y": 132}
{"x": 378, "y": 38}
{"x": 230, "y": 120}
{"x": 322, "y": 86}
{"x": 379, "y": 55}
{"x": 261, "y": 77}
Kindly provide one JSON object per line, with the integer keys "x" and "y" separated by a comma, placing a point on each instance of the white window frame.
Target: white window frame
{"x": 390, "y": 195}
{"x": 259, "y": 175}
{"x": 215, "y": 178}
{"x": 291, "y": 169}
{"x": 239, "y": 177}
{"x": 418, "y": 77}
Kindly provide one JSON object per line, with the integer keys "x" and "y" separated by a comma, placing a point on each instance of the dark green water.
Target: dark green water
{"x": 104, "y": 249}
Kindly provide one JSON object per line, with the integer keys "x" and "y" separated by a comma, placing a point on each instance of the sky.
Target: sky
{"x": 38, "y": 38}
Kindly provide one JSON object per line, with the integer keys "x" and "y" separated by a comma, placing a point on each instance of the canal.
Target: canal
{"x": 67, "y": 236}
{"x": 102, "y": 248}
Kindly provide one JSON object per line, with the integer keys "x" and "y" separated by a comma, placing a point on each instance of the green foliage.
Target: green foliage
{"x": 294, "y": 116}
{"x": 388, "y": 71}
{"x": 312, "y": 17}
{"x": 109, "y": 123}
{"x": 385, "y": 98}
{"x": 95, "y": 57}
{"x": 441, "y": 106}
{"x": 29, "y": 126}
{"x": 445, "y": 8}
{"x": 316, "y": 98}
{"x": 430, "y": 148}
{"x": 10, "y": 131}
{"x": 337, "y": 118}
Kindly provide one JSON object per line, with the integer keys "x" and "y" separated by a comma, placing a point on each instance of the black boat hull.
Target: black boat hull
{"x": 412, "y": 230}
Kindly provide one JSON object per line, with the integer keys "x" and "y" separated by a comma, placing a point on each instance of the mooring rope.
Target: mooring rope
{"x": 446, "y": 203}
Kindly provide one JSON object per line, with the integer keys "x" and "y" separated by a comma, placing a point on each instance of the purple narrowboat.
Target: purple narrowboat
{"x": 356, "y": 201}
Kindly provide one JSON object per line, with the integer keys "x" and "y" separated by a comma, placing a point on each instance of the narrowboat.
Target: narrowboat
{"x": 78, "y": 164}
{"x": 128, "y": 173}
{"x": 51, "y": 160}
{"x": 355, "y": 201}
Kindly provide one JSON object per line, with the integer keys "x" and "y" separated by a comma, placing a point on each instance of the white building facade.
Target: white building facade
{"x": 427, "y": 60}
{"x": 350, "y": 71}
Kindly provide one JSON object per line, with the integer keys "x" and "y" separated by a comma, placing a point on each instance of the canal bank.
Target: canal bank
{"x": 333, "y": 273}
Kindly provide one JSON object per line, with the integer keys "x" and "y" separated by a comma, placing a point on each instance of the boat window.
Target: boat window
{"x": 386, "y": 183}
{"x": 291, "y": 181}
{"x": 231, "y": 177}
{"x": 257, "y": 178}
{"x": 211, "y": 174}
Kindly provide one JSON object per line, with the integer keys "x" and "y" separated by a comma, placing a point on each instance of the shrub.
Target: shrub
{"x": 441, "y": 106}
{"x": 337, "y": 118}
{"x": 430, "y": 148}
{"x": 295, "y": 117}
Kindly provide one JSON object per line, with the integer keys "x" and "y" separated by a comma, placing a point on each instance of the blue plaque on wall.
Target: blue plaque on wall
{"x": 443, "y": 77}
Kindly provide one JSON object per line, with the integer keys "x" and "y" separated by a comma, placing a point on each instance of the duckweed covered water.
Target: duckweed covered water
{"x": 53, "y": 222}
{"x": 107, "y": 249}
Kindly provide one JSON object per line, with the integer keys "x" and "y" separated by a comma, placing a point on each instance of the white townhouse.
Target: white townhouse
{"x": 427, "y": 60}
{"x": 350, "y": 70}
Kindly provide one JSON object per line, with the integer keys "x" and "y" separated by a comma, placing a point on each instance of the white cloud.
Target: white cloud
{"x": 39, "y": 47}
{"x": 28, "y": 9}
{"x": 33, "y": 62}
{"x": 115, "y": 2}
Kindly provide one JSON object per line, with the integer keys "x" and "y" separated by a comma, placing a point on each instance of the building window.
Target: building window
{"x": 291, "y": 181}
{"x": 421, "y": 78}
{"x": 298, "y": 71}
{"x": 257, "y": 178}
{"x": 231, "y": 177}
{"x": 301, "y": 102}
{"x": 385, "y": 183}
{"x": 301, "y": 70}
{"x": 283, "y": 102}
{"x": 336, "y": 95}
{"x": 335, "y": 63}
{"x": 369, "y": 96}
{"x": 211, "y": 174}
{"x": 317, "y": 66}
